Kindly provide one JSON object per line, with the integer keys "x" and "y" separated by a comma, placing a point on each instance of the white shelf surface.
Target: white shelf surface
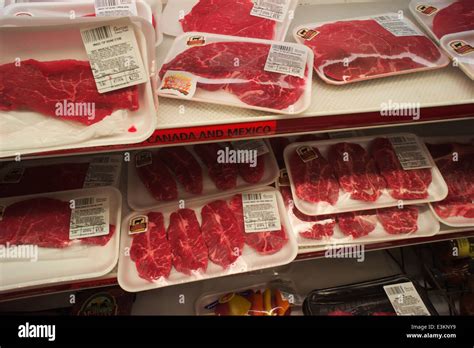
{"x": 448, "y": 86}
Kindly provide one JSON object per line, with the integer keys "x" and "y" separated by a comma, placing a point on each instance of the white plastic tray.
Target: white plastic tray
{"x": 75, "y": 262}
{"x": 436, "y": 191}
{"x": 465, "y": 62}
{"x": 24, "y": 132}
{"x": 140, "y": 199}
{"x": 250, "y": 260}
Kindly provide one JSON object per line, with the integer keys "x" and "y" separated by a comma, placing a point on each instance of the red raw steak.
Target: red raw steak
{"x": 47, "y": 178}
{"x": 158, "y": 180}
{"x": 358, "y": 49}
{"x": 357, "y": 224}
{"x": 43, "y": 222}
{"x": 224, "y": 175}
{"x": 265, "y": 243}
{"x": 186, "y": 168}
{"x": 187, "y": 244}
{"x": 356, "y": 171}
{"x": 253, "y": 85}
{"x": 463, "y": 207}
{"x": 314, "y": 180}
{"x": 151, "y": 250}
{"x": 454, "y": 18}
{"x": 309, "y": 227}
{"x": 402, "y": 184}
{"x": 228, "y": 18}
{"x": 399, "y": 221}
{"x": 39, "y": 86}
{"x": 252, "y": 175}
{"x": 223, "y": 235}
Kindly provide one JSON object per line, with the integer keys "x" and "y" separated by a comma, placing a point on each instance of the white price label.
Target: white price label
{"x": 103, "y": 171}
{"x": 116, "y": 8}
{"x": 114, "y": 57}
{"x": 409, "y": 152}
{"x": 261, "y": 212}
{"x": 89, "y": 218}
{"x": 276, "y": 10}
{"x": 405, "y": 299}
{"x": 252, "y": 145}
{"x": 397, "y": 25}
{"x": 287, "y": 59}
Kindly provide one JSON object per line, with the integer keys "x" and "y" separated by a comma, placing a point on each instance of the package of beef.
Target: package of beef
{"x": 50, "y": 99}
{"x": 362, "y": 173}
{"x": 171, "y": 174}
{"x": 454, "y": 157}
{"x": 148, "y": 10}
{"x": 208, "y": 238}
{"x": 379, "y": 225}
{"x": 245, "y": 18}
{"x": 397, "y": 295}
{"x": 274, "y": 298}
{"x": 460, "y": 47}
{"x": 443, "y": 17}
{"x": 59, "y": 174}
{"x": 367, "y": 48}
{"x": 265, "y": 75}
{"x": 55, "y": 237}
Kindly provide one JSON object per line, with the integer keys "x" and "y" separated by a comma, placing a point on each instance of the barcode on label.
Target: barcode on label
{"x": 81, "y": 202}
{"x": 283, "y": 48}
{"x": 97, "y": 34}
{"x": 399, "y": 140}
{"x": 396, "y": 290}
{"x": 254, "y": 196}
{"x": 104, "y": 3}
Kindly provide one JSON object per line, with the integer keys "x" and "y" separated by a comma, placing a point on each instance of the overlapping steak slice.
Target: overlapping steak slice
{"x": 402, "y": 184}
{"x": 224, "y": 175}
{"x": 265, "y": 243}
{"x": 221, "y": 232}
{"x": 187, "y": 244}
{"x": 399, "y": 221}
{"x": 357, "y": 224}
{"x": 185, "y": 167}
{"x": 455, "y": 18}
{"x": 314, "y": 179}
{"x": 151, "y": 250}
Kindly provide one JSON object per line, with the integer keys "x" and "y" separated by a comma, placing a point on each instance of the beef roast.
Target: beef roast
{"x": 185, "y": 167}
{"x": 251, "y": 83}
{"x": 151, "y": 250}
{"x": 402, "y": 184}
{"x": 356, "y": 171}
{"x": 223, "y": 235}
{"x": 314, "y": 180}
{"x": 358, "y": 49}
{"x": 399, "y": 221}
{"x": 228, "y": 18}
{"x": 457, "y": 17}
{"x": 357, "y": 224}
{"x": 39, "y": 86}
{"x": 187, "y": 244}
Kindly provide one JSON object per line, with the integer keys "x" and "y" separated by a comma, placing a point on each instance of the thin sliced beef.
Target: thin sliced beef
{"x": 158, "y": 180}
{"x": 252, "y": 175}
{"x": 223, "y": 235}
{"x": 265, "y": 243}
{"x": 402, "y": 184}
{"x": 39, "y": 86}
{"x": 247, "y": 80}
{"x": 356, "y": 171}
{"x": 224, "y": 175}
{"x": 187, "y": 244}
{"x": 47, "y": 178}
{"x": 357, "y": 49}
{"x": 457, "y": 17}
{"x": 228, "y": 18}
{"x": 357, "y": 224}
{"x": 151, "y": 250}
{"x": 399, "y": 221}
{"x": 461, "y": 207}
{"x": 185, "y": 167}
{"x": 314, "y": 180}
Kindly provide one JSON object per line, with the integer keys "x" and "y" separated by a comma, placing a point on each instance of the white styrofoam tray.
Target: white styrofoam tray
{"x": 140, "y": 199}
{"x": 465, "y": 61}
{"x": 72, "y": 263}
{"x": 250, "y": 260}
{"x": 23, "y": 132}
{"x": 437, "y": 190}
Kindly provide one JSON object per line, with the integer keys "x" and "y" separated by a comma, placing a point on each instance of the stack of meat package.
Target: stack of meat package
{"x": 339, "y": 191}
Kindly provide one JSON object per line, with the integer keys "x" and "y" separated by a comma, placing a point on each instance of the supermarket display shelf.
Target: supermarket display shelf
{"x": 439, "y": 95}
